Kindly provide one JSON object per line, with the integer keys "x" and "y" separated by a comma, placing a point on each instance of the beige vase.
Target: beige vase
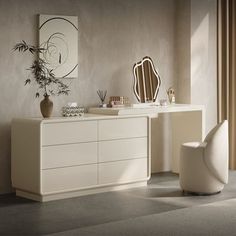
{"x": 46, "y": 106}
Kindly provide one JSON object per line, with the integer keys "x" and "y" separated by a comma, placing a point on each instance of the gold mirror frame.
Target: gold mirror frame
{"x": 147, "y": 81}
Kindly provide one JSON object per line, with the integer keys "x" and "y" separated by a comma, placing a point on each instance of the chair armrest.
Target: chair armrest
{"x": 194, "y": 145}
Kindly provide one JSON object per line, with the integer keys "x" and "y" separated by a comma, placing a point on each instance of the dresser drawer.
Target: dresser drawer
{"x": 69, "y": 132}
{"x": 122, "y": 149}
{"x": 122, "y": 128}
{"x": 69, "y": 155}
{"x": 122, "y": 171}
{"x": 69, "y": 178}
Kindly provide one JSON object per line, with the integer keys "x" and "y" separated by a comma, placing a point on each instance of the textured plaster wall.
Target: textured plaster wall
{"x": 196, "y": 25}
{"x": 203, "y": 57}
{"x": 113, "y": 34}
{"x": 183, "y": 51}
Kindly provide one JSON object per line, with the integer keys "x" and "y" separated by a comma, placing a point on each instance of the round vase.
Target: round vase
{"x": 46, "y": 106}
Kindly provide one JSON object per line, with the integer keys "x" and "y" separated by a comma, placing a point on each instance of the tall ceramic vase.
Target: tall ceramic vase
{"x": 46, "y": 106}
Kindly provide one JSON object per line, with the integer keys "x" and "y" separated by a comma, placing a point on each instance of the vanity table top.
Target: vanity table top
{"x": 146, "y": 109}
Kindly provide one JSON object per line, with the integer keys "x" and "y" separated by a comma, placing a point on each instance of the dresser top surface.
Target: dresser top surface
{"x": 85, "y": 117}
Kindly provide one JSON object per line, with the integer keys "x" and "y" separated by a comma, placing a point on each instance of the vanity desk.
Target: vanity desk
{"x": 107, "y": 149}
{"x": 170, "y": 126}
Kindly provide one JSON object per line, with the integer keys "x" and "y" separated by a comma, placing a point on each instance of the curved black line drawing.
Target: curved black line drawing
{"x": 58, "y": 18}
{"x": 54, "y": 52}
{"x": 70, "y": 71}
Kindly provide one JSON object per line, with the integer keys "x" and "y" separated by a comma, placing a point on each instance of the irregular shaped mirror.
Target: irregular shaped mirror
{"x": 146, "y": 81}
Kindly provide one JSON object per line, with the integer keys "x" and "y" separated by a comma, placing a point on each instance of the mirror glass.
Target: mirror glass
{"x": 146, "y": 81}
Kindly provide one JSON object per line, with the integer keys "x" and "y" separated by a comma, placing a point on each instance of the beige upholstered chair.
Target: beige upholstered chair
{"x": 204, "y": 166}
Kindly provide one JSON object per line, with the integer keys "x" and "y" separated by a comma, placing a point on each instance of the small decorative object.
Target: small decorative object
{"x": 118, "y": 101}
{"x": 44, "y": 77}
{"x": 147, "y": 81}
{"x": 72, "y": 109}
{"x": 163, "y": 102}
{"x": 102, "y": 95}
{"x": 171, "y": 95}
{"x": 59, "y": 35}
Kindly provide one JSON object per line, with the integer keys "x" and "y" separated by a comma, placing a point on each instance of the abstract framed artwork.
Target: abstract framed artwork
{"x": 59, "y": 36}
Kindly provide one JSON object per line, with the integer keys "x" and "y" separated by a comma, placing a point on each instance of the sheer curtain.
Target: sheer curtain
{"x": 227, "y": 71}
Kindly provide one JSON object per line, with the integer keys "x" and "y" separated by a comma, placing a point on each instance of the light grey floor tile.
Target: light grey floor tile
{"x": 19, "y": 216}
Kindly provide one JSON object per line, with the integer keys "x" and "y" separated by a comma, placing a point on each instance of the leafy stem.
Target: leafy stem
{"x": 42, "y": 75}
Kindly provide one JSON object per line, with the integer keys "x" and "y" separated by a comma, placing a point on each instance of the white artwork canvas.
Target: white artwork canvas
{"x": 59, "y": 36}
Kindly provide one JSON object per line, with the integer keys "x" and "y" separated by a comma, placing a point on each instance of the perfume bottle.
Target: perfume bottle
{"x": 171, "y": 95}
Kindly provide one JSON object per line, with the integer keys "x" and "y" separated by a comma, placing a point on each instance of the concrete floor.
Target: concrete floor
{"x": 19, "y": 216}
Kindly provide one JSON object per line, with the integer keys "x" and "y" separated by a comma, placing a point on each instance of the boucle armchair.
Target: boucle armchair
{"x": 204, "y": 166}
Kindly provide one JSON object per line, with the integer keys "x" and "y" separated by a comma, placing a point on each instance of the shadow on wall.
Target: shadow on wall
{"x": 5, "y": 160}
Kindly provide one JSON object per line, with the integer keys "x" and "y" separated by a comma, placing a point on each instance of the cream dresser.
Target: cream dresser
{"x": 65, "y": 157}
